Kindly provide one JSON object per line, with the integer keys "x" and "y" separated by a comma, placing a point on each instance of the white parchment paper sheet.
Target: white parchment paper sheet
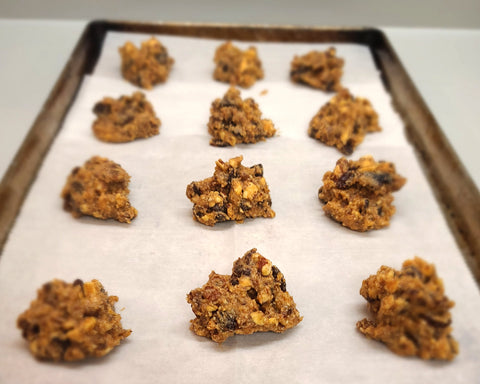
{"x": 154, "y": 262}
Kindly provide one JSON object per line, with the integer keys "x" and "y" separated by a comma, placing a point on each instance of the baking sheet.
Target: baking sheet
{"x": 154, "y": 262}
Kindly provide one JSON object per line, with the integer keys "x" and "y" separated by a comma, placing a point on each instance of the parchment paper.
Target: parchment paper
{"x": 154, "y": 262}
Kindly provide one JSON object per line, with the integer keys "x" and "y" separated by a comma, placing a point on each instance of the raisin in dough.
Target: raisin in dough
{"x": 358, "y": 194}
{"x": 410, "y": 311}
{"x": 344, "y": 121}
{"x": 147, "y": 66}
{"x": 234, "y": 192}
{"x": 72, "y": 321}
{"x": 253, "y": 299}
{"x": 99, "y": 189}
{"x": 125, "y": 119}
{"x": 237, "y": 67}
{"x": 321, "y": 70}
{"x": 233, "y": 121}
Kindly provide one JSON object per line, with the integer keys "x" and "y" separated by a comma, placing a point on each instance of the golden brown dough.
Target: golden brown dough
{"x": 233, "y": 121}
{"x": 147, "y": 66}
{"x": 344, "y": 121}
{"x": 358, "y": 194}
{"x": 125, "y": 119}
{"x": 253, "y": 299}
{"x": 237, "y": 67}
{"x": 72, "y": 321}
{"x": 99, "y": 189}
{"x": 410, "y": 311}
{"x": 234, "y": 192}
{"x": 321, "y": 70}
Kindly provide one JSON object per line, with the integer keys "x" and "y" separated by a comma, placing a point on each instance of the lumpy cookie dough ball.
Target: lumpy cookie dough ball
{"x": 233, "y": 121}
{"x": 125, "y": 119}
{"x": 237, "y": 67}
{"x": 72, "y": 321}
{"x": 99, "y": 189}
{"x": 253, "y": 298}
{"x": 358, "y": 194}
{"x": 147, "y": 66}
{"x": 234, "y": 192}
{"x": 344, "y": 121}
{"x": 321, "y": 70}
{"x": 410, "y": 311}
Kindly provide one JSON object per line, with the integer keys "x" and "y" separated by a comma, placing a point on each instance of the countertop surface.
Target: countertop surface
{"x": 443, "y": 63}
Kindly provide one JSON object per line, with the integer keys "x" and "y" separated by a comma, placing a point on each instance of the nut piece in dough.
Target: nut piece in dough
{"x": 233, "y": 120}
{"x": 344, "y": 121}
{"x": 125, "y": 119}
{"x": 321, "y": 70}
{"x": 234, "y": 192}
{"x": 147, "y": 66}
{"x": 237, "y": 67}
{"x": 410, "y": 311}
{"x": 253, "y": 299}
{"x": 99, "y": 189}
{"x": 72, "y": 321}
{"x": 358, "y": 194}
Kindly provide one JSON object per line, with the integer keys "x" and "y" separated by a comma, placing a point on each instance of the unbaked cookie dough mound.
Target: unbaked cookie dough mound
{"x": 237, "y": 67}
{"x": 344, "y": 121}
{"x": 99, "y": 189}
{"x": 410, "y": 311}
{"x": 234, "y": 192}
{"x": 233, "y": 121}
{"x": 147, "y": 66}
{"x": 125, "y": 119}
{"x": 72, "y": 321}
{"x": 321, "y": 70}
{"x": 253, "y": 298}
{"x": 358, "y": 194}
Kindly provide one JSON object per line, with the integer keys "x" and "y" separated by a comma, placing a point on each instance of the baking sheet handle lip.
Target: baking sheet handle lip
{"x": 255, "y": 32}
